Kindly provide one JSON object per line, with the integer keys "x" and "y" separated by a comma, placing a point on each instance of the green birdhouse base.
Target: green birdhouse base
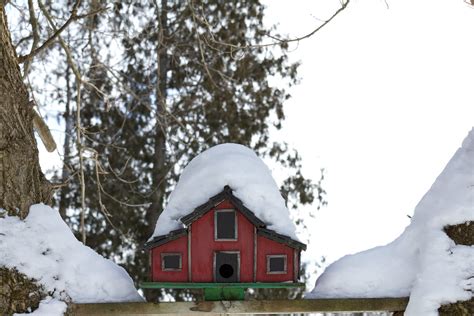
{"x": 220, "y": 291}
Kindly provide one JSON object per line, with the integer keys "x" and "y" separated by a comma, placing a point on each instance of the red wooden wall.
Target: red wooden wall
{"x": 179, "y": 245}
{"x": 203, "y": 246}
{"x": 269, "y": 247}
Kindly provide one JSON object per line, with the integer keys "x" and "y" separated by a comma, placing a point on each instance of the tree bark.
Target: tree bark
{"x": 18, "y": 293}
{"x": 465, "y": 308}
{"x": 21, "y": 181}
{"x": 159, "y": 174}
{"x": 65, "y": 174}
{"x": 462, "y": 234}
{"x": 159, "y": 158}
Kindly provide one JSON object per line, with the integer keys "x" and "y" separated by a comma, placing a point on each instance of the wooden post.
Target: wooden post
{"x": 190, "y": 273}
{"x": 255, "y": 247}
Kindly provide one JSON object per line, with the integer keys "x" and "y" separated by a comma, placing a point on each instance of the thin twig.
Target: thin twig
{"x": 61, "y": 41}
{"x": 81, "y": 160}
{"x": 79, "y": 132}
{"x": 100, "y": 189}
{"x": 297, "y": 39}
{"x": 56, "y": 33}
{"x": 277, "y": 41}
{"x": 201, "y": 50}
{"x": 34, "y": 29}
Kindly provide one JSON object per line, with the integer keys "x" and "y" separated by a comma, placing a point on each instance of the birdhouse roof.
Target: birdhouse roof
{"x": 239, "y": 168}
{"x": 199, "y": 211}
{"x": 163, "y": 239}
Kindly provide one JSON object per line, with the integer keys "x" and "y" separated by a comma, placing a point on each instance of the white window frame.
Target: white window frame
{"x": 285, "y": 264}
{"x": 236, "y": 231}
{"x": 164, "y": 254}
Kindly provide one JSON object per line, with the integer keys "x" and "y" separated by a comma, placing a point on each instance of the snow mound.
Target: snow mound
{"x": 423, "y": 263}
{"x": 240, "y": 168}
{"x": 43, "y": 247}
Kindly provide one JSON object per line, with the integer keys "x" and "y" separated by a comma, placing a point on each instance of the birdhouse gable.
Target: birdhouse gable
{"x": 223, "y": 200}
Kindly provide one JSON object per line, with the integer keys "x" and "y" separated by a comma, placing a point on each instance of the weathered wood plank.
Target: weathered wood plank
{"x": 244, "y": 307}
{"x": 214, "y": 285}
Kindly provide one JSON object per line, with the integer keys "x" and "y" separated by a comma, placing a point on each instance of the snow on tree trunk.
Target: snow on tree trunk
{"x": 462, "y": 234}
{"x": 432, "y": 260}
{"x": 18, "y": 293}
{"x": 465, "y": 308}
{"x": 21, "y": 181}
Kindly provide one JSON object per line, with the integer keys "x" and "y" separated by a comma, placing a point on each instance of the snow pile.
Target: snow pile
{"x": 240, "y": 168}
{"x": 423, "y": 262}
{"x": 42, "y": 247}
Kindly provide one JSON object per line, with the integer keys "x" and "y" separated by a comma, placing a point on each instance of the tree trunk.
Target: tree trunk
{"x": 159, "y": 173}
{"x": 21, "y": 181}
{"x": 65, "y": 174}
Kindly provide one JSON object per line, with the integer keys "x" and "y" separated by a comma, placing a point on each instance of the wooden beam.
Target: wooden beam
{"x": 237, "y": 285}
{"x": 244, "y": 307}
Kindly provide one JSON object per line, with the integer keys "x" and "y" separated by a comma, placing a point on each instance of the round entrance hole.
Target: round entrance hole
{"x": 226, "y": 271}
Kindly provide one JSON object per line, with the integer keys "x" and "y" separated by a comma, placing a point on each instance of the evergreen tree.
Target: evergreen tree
{"x": 182, "y": 85}
{"x": 182, "y": 77}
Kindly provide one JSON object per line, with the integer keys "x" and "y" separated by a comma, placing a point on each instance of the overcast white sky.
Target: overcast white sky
{"x": 386, "y": 98}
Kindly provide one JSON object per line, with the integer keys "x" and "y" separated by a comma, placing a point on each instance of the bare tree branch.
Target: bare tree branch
{"x": 35, "y": 34}
{"x": 43, "y": 131}
{"x": 277, "y": 40}
{"x": 79, "y": 129}
{"x": 50, "y": 40}
{"x": 297, "y": 39}
{"x": 57, "y": 31}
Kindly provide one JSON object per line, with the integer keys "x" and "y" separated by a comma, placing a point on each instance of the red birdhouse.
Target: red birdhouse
{"x": 225, "y": 242}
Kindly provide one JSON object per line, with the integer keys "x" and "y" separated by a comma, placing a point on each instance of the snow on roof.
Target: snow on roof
{"x": 423, "y": 263}
{"x": 44, "y": 248}
{"x": 238, "y": 167}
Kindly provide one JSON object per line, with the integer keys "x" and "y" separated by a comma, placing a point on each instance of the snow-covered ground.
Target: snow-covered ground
{"x": 238, "y": 167}
{"x": 423, "y": 263}
{"x": 44, "y": 248}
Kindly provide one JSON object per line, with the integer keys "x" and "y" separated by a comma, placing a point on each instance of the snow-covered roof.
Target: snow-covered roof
{"x": 44, "y": 248}
{"x": 230, "y": 165}
{"x": 423, "y": 263}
